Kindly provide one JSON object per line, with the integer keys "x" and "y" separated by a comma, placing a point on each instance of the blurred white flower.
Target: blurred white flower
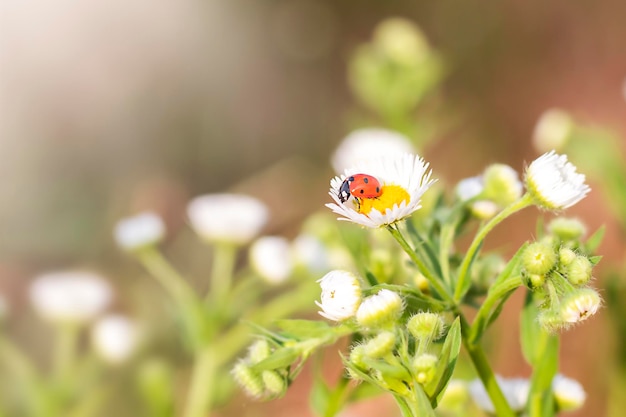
{"x": 484, "y": 209}
{"x": 469, "y": 188}
{"x": 502, "y": 184}
{"x": 515, "y": 391}
{"x": 230, "y": 218}
{"x": 554, "y": 183}
{"x": 401, "y": 40}
{"x": 403, "y": 178}
{"x": 341, "y": 295}
{"x": 552, "y": 130}
{"x": 568, "y": 393}
{"x": 70, "y": 296}
{"x": 310, "y": 252}
{"x": 114, "y": 338}
{"x": 270, "y": 256}
{"x": 144, "y": 229}
{"x": 369, "y": 143}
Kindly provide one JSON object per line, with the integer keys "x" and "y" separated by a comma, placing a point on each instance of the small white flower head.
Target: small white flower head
{"x": 341, "y": 295}
{"x": 310, "y": 252}
{"x": 552, "y": 130}
{"x": 70, "y": 297}
{"x": 270, "y": 256}
{"x": 229, "y": 218}
{"x": 115, "y": 338}
{"x": 484, "y": 209}
{"x": 369, "y": 143}
{"x": 515, "y": 391}
{"x": 403, "y": 180}
{"x": 380, "y": 310}
{"x": 579, "y": 305}
{"x": 502, "y": 184}
{"x": 553, "y": 182}
{"x": 469, "y": 188}
{"x": 140, "y": 231}
{"x": 568, "y": 393}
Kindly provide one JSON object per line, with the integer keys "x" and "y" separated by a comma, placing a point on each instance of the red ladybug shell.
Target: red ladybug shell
{"x": 359, "y": 186}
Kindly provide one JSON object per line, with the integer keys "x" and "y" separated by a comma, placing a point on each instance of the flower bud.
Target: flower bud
{"x": 551, "y": 321}
{"x": 248, "y": 380}
{"x": 533, "y": 281}
{"x": 425, "y": 368}
{"x": 274, "y": 383}
{"x": 567, "y": 229}
{"x": 426, "y": 326}
{"x": 357, "y": 356}
{"x": 580, "y": 305}
{"x": 380, "y": 310}
{"x": 569, "y": 395}
{"x": 566, "y": 256}
{"x": 579, "y": 270}
{"x": 539, "y": 258}
{"x": 380, "y": 346}
{"x": 552, "y": 130}
{"x": 258, "y": 351}
{"x": 502, "y": 184}
{"x": 401, "y": 40}
{"x": 484, "y": 209}
{"x": 270, "y": 256}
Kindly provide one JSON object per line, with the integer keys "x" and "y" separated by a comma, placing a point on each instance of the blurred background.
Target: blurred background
{"x": 112, "y": 107}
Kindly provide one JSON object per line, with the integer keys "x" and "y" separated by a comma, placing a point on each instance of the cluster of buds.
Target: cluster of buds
{"x": 259, "y": 384}
{"x": 559, "y": 267}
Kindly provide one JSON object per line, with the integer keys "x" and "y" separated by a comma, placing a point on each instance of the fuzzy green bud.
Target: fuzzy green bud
{"x": 502, "y": 184}
{"x": 426, "y": 326}
{"x": 380, "y": 345}
{"x": 533, "y": 281}
{"x": 380, "y": 310}
{"x": 566, "y": 256}
{"x": 401, "y": 40}
{"x": 579, "y": 270}
{"x": 248, "y": 380}
{"x": 258, "y": 351}
{"x": 274, "y": 383}
{"x": 551, "y": 321}
{"x": 539, "y": 258}
{"x": 357, "y": 356}
{"x": 425, "y": 368}
{"x": 567, "y": 229}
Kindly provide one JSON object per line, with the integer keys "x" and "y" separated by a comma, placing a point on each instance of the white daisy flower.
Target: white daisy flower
{"x": 580, "y": 305}
{"x": 568, "y": 393}
{"x": 230, "y": 218}
{"x": 369, "y": 143}
{"x": 341, "y": 295}
{"x": 553, "y": 182}
{"x": 552, "y": 130}
{"x": 140, "y": 231}
{"x": 72, "y": 296}
{"x": 114, "y": 338}
{"x": 403, "y": 180}
{"x": 469, "y": 188}
{"x": 270, "y": 256}
{"x": 515, "y": 390}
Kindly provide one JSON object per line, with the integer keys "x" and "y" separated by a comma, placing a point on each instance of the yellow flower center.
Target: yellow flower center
{"x": 390, "y": 195}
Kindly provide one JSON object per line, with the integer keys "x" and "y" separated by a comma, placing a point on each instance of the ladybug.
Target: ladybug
{"x": 359, "y": 186}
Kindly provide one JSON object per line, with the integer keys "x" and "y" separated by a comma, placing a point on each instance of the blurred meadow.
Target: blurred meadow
{"x": 112, "y": 108}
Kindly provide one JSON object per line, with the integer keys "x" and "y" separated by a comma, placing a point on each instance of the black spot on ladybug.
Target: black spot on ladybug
{"x": 362, "y": 191}
{"x": 377, "y": 189}
{"x": 366, "y": 180}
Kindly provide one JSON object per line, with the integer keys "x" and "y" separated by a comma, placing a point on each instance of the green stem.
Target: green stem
{"x": 488, "y": 378}
{"x": 434, "y": 282}
{"x": 202, "y": 384}
{"x": 165, "y": 273}
{"x": 224, "y": 257}
{"x": 65, "y": 351}
{"x": 523, "y": 202}
{"x": 496, "y": 293}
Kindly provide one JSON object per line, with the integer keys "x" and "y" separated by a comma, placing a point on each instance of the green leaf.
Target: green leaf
{"x": 529, "y": 329}
{"x": 424, "y": 407}
{"x": 371, "y": 279}
{"x": 320, "y": 396}
{"x": 447, "y": 361}
{"x": 594, "y": 240}
{"x": 303, "y": 329}
{"x": 364, "y": 392}
{"x": 280, "y": 358}
{"x": 540, "y": 398}
{"x": 595, "y": 260}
